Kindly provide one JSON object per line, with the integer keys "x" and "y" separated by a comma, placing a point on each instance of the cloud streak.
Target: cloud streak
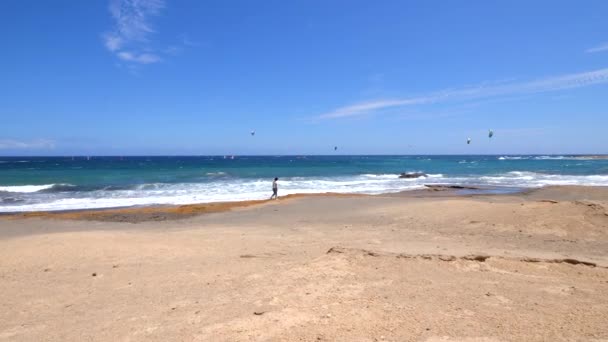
{"x": 11, "y": 144}
{"x": 143, "y": 58}
{"x": 562, "y": 82}
{"x": 599, "y": 48}
{"x": 129, "y": 39}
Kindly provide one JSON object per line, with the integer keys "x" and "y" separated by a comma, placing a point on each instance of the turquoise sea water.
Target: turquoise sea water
{"x": 59, "y": 183}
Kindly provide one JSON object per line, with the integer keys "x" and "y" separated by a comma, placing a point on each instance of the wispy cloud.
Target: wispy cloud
{"x": 129, "y": 39}
{"x": 186, "y": 41}
{"x": 599, "y": 48}
{"x": 143, "y": 58}
{"x": 11, "y": 144}
{"x": 562, "y": 82}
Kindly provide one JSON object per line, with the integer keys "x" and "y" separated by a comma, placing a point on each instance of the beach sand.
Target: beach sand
{"x": 419, "y": 266}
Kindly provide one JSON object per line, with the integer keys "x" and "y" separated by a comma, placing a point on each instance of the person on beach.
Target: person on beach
{"x": 275, "y": 188}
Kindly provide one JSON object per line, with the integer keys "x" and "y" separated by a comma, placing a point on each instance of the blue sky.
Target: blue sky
{"x": 126, "y": 77}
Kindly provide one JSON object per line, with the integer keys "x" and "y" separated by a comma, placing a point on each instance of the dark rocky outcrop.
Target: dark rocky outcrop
{"x": 412, "y": 175}
{"x": 442, "y": 187}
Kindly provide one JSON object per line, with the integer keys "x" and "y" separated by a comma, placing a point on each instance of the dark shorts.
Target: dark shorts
{"x": 274, "y": 191}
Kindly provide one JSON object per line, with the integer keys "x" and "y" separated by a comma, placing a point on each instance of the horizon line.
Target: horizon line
{"x": 300, "y": 155}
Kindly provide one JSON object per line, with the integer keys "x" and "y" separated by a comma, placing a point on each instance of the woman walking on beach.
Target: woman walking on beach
{"x": 275, "y": 188}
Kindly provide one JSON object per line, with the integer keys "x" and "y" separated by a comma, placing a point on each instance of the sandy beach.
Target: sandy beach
{"x": 306, "y": 171}
{"x": 418, "y": 266}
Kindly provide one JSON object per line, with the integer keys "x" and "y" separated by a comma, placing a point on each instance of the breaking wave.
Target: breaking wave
{"x": 26, "y": 188}
{"x": 67, "y": 197}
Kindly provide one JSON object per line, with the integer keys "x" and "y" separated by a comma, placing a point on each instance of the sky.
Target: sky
{"x": 189, "y": 77}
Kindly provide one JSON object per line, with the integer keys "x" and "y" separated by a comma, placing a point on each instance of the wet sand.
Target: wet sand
{"x": 153, "y": 213}
{"x": 424, "y": 266}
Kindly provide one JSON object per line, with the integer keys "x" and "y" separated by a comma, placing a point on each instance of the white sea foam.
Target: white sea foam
{"x": 545, "y": 158}
{"x": 513, "y": 158}
{"x": 26, "y": 188}
{"x": 551, "y": 157}
{"x": 534, "y": 180}
{"x": 226, "y": 190}
{"x": 219, "y": 173}
{"x": 222, "y": 190}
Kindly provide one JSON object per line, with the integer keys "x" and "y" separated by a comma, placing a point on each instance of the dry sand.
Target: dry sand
{"x": 528, "y": 267}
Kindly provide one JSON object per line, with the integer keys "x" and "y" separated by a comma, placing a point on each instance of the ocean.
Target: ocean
{"x": 66, "y": 183}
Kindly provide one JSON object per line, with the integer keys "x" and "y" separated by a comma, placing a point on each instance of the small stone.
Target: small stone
{"x": 94, "y": 275}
